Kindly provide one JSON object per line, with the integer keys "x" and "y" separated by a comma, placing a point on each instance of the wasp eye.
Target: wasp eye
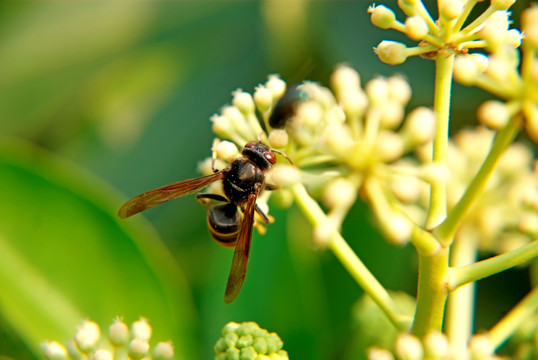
{"x": 270, "y": 157}
{"x": 250, "y": 144}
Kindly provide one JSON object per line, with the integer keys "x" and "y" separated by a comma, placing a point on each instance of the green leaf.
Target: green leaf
{"x": 65, "y": 256}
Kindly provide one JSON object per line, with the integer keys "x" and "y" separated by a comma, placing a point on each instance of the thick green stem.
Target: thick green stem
{"x": 445, "y": 232}
{"x": 432, "y": 293}
{"x": 444, "y": 65}
{"x": 350, "y": 260}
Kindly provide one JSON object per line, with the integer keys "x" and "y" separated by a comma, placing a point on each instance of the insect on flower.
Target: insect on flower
{"x": 242, "y": 181}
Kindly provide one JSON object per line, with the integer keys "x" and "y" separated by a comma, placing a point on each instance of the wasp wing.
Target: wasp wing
{"x": 242, "y": 251}
{"x": 164, "y": 193}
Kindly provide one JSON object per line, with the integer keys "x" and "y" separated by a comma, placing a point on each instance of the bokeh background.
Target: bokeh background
{"x": 100, "y": 101}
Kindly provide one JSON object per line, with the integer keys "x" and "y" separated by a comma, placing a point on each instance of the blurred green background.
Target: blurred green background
{"x": 100, "y": 101}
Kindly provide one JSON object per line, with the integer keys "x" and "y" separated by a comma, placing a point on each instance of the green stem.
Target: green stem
{"x": 459, "y": 276}
{"x": 350, "y": 260}
{"x": 499, "y": 333}
{"x": 432, "y": 293}
{"x": 445, "y": 232}
{"x": 444, "y": 65}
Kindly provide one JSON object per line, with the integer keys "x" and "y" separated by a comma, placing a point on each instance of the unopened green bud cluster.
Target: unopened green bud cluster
{"x": 247, "y": 341}
{"x": 121, "y": 343}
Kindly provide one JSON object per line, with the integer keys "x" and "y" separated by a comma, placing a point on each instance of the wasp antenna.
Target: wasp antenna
{"x": 283, "y": 154}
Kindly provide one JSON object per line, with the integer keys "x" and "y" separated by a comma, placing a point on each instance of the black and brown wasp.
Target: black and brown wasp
{"x": 242, "y": 181}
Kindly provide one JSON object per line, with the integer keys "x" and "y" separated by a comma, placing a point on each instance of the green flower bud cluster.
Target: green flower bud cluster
{"x": 121, "y": 343}
{"x": 247, "y": 341}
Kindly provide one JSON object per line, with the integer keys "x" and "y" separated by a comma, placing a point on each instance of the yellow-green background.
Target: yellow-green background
{"x": 100, "y": 101}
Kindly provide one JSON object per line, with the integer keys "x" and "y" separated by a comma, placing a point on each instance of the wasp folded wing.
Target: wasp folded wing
{"x": 157, "y": 196}
{"x": 242, "y": 251}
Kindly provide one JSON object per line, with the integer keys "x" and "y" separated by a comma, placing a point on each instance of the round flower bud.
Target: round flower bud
{"x": 338, "y": 139}
{"x": 53, "y": 350}
{"x": 344, "y": 79}
{"x": 310, "y": 113}
{"x": 381, "y": 16}
{"x": 391, "y": 52}
{"x": 278, "y": 138}
{"x": 253, "y": 343}
{"x": 416, "y": 27}
{"x": 138, "y": 348}
{"x": 263, "y": 97}
{"x": 436, "y": 345}
{"x": 392, "y": 114}
{"x": 494, "y": 30}
{"x": 87, "y": 336}
{"x": 531, "y": 34}
{"x": 222, "y": 126}
{"x": 339, "y": 193}
{"x": 235, "y": 116}
{"x": 377, "y": 90}
{"x": 397, "y": 228}
{"x": 163, "y": 351}
{"x": 419, "y": 126}
{"x": 466, "y": 69}
{"x": 141, "y": 329}
{"x": 285, "y": 175}
{"x": 389, "y": 146}
{"x": 514, "y": 37}
{"x": 118, "y": 333}
{"x": 480, "y": 347}
{"x": 243, "y": 101}
{"x": 226, "y": 150}
{"x": 102, "y": 355}
{"x": 354, "y": 103}
{"x": 451, "y": 9}
{"x": 408, "y": 347}
{"x": 323, "y": 231}
{"x": 493, "y": 114}
{"x": 276, "y": 85}
{"x": 399, "y": 89}
{"x": 379, "y": 354}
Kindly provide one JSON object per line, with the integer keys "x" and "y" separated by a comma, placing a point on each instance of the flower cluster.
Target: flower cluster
{"x": 434, "y": 346}
{"x": 497, "y": 69}
{"x": 122, "y": 342}
{"x": 343, "y": 143}
{"x": 248, "y": 341}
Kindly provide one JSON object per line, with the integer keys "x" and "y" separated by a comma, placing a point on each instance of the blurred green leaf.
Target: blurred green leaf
{"x": 65, "y": 256}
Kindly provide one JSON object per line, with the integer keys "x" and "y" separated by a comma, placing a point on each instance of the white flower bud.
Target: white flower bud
{"x": 163, "y": 351}
{"x": 263, "y": 97}
{"x": 392, "y": 114}
{"x": 498, "y": 69}
{"x": 389, "y": 146}
{"x": 354, "y": 103}
{"x": 397, "y": 228}
{"x": 436, "y": 345}
{"x": 235, "y": 116}
{"x": 102, "y": 355}
{"x": 310, "y": 114}
{"x": 406, "y": 188}
{"x": 515, "y": 160}
{"x": 419, "y": 126}
{"x": 528, "y": 224}
{"x": 87, "y": 336}
{"x": 278, "y": 138}
{"x": 493, "y": 114}
{"x": 466, "y": 69}
{"x": 222, "y": 126}
{"x": 480, "y": 347}
{"x": 226, "y": 150}
{"x": 344, "y": 79}
{"x": 118, "y": 333}
{"x": 339, "y": 193}
{"x": 531, "y": 34}
{"x": 276, "y": 85}
{"x": 495, "y": 29}
{"x": 377, "y": 90}
{"x": 451, "y": 9}
{"x": 285, "y": 175}
{"x": 514, "y": 37}
{"x": 141, "y": 329}
{"x": 53, "y": 350}
{"x": 322, "y": 232}
{"x": 381, "y": 16}
{"x": 399, "y": 89}
{"x": 391, "y": 52}
{"x": 337, "y": 138}
{"x": 416, "y": 27}
{"x": 243, "y": 101}
{"x": 138, "y": 348}
{"x": 379, "y": 354}
{"x": 408, "y": 347}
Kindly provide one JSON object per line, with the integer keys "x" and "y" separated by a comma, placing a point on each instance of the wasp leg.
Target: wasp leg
{"x": 204, "y": 198}
{"x": 264, "y": 217}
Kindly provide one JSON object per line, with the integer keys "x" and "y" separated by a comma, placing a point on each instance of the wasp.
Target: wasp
{"x": 242, "y": 182}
